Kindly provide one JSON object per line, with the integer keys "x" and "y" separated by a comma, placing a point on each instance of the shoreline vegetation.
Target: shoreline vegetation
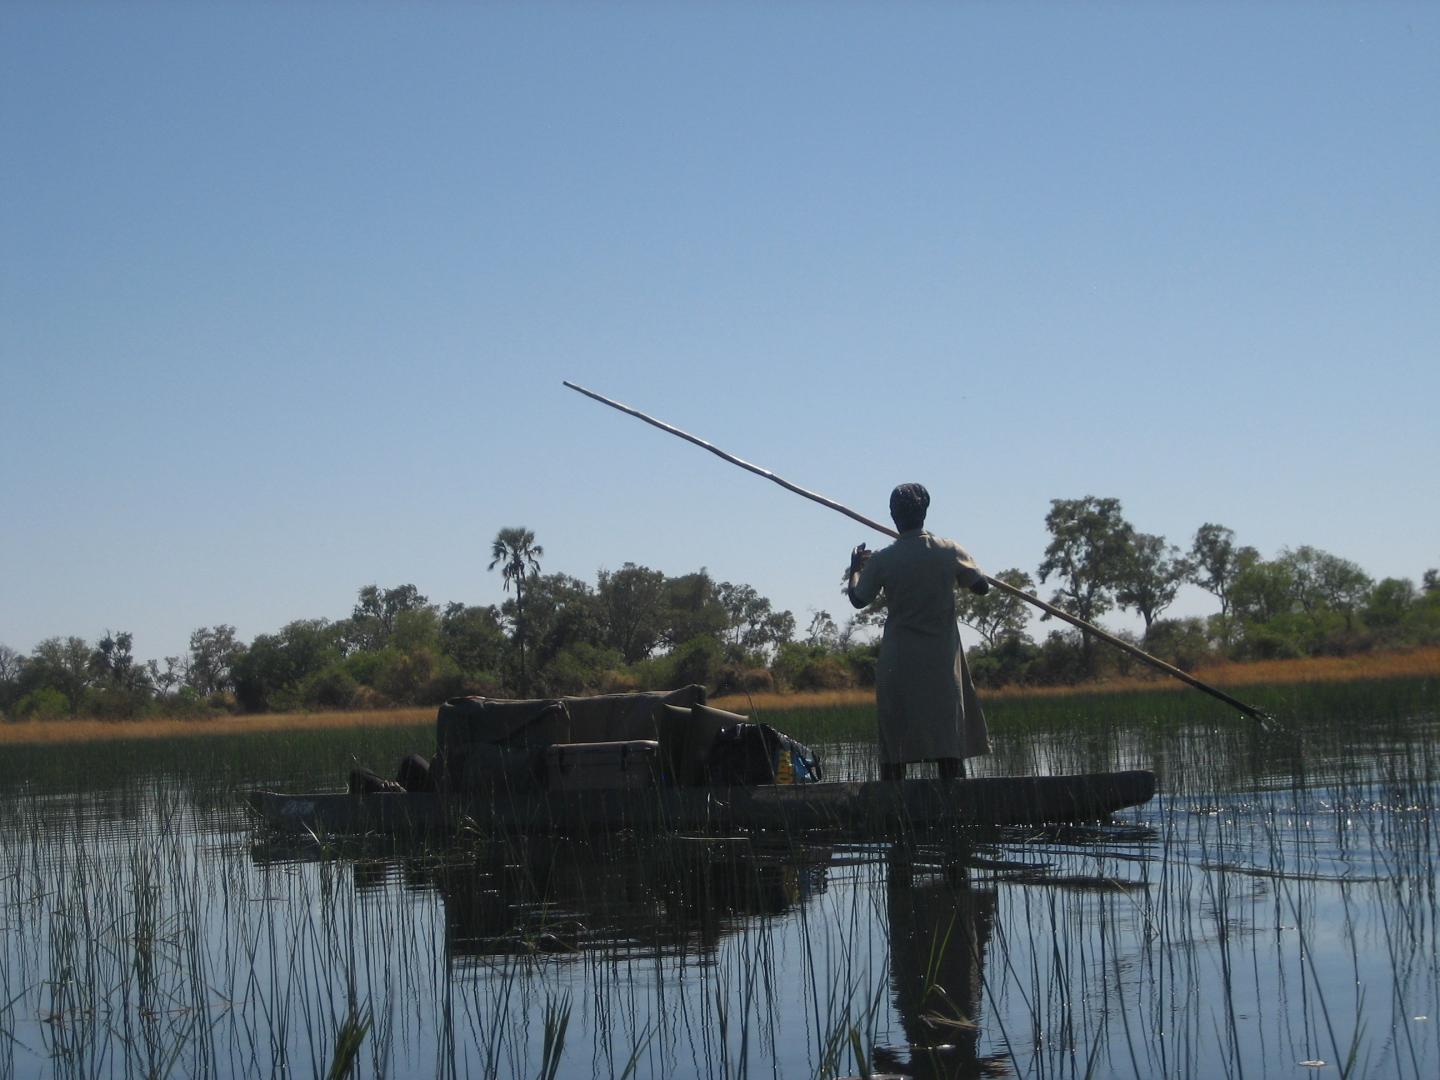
{"x": 1418, "y": 663}
{"x": 638, "y": 628}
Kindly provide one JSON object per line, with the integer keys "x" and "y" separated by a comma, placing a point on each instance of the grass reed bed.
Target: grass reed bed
{"x": 1392, "y": 702}
{"x": 1420, "y": 663}
{"x": 91, "y": 730}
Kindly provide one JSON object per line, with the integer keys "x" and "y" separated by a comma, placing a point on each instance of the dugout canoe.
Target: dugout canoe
{"x": 851, "y": 807}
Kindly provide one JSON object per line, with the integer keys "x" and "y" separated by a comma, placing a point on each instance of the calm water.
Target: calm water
{"x": 1273, "y": 913}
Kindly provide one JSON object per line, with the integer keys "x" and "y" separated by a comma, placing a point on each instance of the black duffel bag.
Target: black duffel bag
{"x": 746, "y": 755}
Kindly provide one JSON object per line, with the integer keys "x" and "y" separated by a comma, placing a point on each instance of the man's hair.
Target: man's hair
{"x": 908, "y": 503}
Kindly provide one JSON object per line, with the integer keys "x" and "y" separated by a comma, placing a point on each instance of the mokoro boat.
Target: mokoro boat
{"x": 865, "y": 807}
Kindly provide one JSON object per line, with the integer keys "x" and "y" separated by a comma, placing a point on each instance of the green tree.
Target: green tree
{"x": 372, "y": 622}
{"x": 1215, "y": 563}
{"x": 272, "y": 672}
{"x": 12, "y": 666}
{"x": 696, "y": 661}
{"x": 167, "y": 675}
{"x": 472, "y": 637}
{"x": 416, "y": 676}
{"x": 333, "y": 687}
{"x": 1325, "y": 582}
{"x": 632, "y": 606}
{"x": 562, "y": 613}
{"x": 45, "y": 703}
{"x": 517, "y": 555}
{"x": 1090, "y": 543}
{"x": 1150, "y": 576}
{"x": 752, "y": 625}
{"x": 997, "y": 615}
{"x": 213, "y": 653}
{"x": 822, "y": 632}
{"x": 692, "y": 609}
{"x": 61, "y": 664}
{"x": 113, "y": 663}
{"x": 1389, "y": 603}
{"x": 417, "y": 629}
{"x": 1263, "y": 590}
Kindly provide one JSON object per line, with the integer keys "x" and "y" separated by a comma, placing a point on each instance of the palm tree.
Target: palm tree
{"x": 517, "y": 554}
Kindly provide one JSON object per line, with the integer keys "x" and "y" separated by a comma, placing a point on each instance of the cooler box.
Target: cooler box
{"x": 602, "y": 765}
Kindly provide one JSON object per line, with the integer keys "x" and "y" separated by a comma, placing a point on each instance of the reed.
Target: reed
{"x": 91, "y": 730}
{"x": 1419, "y": 663}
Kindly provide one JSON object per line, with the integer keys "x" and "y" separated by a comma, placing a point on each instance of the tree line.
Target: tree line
{"x": 1302, "y": 602}
{"x": 639, "y": 628}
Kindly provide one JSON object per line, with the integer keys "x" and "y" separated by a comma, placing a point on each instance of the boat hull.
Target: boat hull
{"x": 866, "y": 807}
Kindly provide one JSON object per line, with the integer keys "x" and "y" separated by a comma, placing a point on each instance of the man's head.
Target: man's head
{"x": 908, "y": 504}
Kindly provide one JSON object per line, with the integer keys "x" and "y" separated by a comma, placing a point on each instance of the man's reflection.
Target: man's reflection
{"x": 939, "y": 927}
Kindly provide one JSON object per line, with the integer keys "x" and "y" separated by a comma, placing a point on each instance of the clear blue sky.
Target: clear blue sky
{"x": 287, "y": 292}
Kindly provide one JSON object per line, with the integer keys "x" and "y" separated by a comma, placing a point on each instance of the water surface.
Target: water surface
{"x": 1272, "y": 913}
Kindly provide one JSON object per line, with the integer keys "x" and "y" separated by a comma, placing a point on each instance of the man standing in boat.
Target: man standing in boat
{"x": 925, "y": 699}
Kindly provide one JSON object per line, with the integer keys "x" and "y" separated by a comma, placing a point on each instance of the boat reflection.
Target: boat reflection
{"x": 627, "y": 895}
{"x": 628, "y": 898}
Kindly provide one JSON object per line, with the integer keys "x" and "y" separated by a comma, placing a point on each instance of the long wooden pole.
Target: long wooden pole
{"x": 1049, "y": 609}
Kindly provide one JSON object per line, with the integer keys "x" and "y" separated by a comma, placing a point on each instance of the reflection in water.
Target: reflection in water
{"x": 632, "y": 898}
{"x": 628, "y": 895}
{"x": 1240, "y": 924}
{"x": 939, "y": 927}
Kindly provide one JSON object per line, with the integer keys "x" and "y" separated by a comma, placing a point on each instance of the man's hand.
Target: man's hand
{"x": 981, "y": 587}
{"x": 858, "y": 557}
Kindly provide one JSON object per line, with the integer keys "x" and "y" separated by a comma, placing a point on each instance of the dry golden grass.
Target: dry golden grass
{"x": 65, "y": 731}
{"x": 810, "y": 699}
{"x": 1413, "y": 663}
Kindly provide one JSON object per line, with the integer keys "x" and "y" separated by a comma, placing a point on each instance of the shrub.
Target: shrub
{"x": 450, "y": 682}
{"x": 481, "y": 684}
{"x": 1123, "y": 662}
{"x": 1182, "y": 642}
{"x": 367, "y": 697}
{"x": 737, "y": 679}
{"x": 862, "y": 659}
{"x": 333, "y": 688}
{"x": 43, "y": 704}
{"x": 576, "y": 669}
{"x": 812, "y": 667}
{"x": 1292, "y": 634}
{"x": 618, "y": 681}
{"x": 1008, "y": 663}
{"x": 186, "y": 703}
{"x": 697, "y": 661}
{"x": 365, "y": 667}
{"x": 404, "y": 676}
{"x": 116, "y": 703}
{"x": 223, "y": 701}
{"x": 1061, "y": 659}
